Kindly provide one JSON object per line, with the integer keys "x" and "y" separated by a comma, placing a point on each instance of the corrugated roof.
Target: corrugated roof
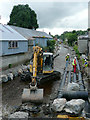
{"x": 7, "y": 33}
{"x": 27, "y": 33}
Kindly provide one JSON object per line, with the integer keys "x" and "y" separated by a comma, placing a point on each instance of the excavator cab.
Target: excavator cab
{"x": 47, "y": 62}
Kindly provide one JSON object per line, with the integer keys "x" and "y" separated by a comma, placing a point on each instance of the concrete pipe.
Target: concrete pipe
{"x": 75, "y": 95}
{"x": 74, "y": 78}
{"x": 69, "y": 77}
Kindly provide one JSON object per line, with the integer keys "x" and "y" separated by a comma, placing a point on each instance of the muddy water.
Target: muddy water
{"x": 12, "y": 90}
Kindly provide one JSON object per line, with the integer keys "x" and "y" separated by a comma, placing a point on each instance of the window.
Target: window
{"x": 12, "y": 44}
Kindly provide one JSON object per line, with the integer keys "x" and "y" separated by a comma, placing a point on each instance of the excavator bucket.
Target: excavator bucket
{"x": 35, "y": 96}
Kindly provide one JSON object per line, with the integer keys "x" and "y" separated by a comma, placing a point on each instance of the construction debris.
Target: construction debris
{"x": 10, "y": 76}
{"x": 74, "y": 106}
{"x": 19, "y": 115}
{"x": 4, "y": 78}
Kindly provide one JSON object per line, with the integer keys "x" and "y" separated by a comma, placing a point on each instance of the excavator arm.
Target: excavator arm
{"x": 33, "y": 94}
{"x": 37, "y": 53}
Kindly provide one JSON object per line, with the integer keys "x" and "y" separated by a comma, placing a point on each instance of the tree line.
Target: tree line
{"x": 71, "y": 36}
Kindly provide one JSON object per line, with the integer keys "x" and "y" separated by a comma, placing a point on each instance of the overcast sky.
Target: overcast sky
{"x": 53, "y": 16}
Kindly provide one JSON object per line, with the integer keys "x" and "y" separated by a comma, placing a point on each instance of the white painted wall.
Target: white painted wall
{"x": 82, "y": 45}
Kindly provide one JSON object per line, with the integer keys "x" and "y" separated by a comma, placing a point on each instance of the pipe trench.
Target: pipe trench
{"x": 81, "y": 94}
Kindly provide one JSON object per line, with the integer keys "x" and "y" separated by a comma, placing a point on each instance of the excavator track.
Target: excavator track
{"x": 41, "y": 78}
{"x": 48, "y": 77}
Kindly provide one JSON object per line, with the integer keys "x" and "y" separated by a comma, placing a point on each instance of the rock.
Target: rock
{"x": 58, "y": 104}
{"x": 35, "y": 109}
{"x": 24, "y": 108}
{"x": 4, "y": 78}
{"x": 10, "y": 76}
{"x": 73, "y": 87}
{"x": 74, "y": 106}
{"x": 19, "y": 115}
{"x": 46, "y": 109}
{"x": 24, "y": 68}
{"x": 20, "y": 71}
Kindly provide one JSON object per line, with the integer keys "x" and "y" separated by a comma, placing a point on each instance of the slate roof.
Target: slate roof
{"x": 29, "y": 33}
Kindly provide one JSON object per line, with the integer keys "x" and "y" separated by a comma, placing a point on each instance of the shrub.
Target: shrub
{"x": 51, "y": 45}
{"x": 64, "y": 42}
{"x": 76, "y": 50}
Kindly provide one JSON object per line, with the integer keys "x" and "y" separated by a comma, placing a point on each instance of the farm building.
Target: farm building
{"x": 13, "y": 47}
{"x": 34, "y": 37}
{"x": 11, "y": 42}
{"x": 83, "y": 44}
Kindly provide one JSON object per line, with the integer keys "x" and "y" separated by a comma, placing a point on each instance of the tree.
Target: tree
{"x": 23, "y": 16}
{"x": 51, "y": 45}
{"x": 72, "y": 37}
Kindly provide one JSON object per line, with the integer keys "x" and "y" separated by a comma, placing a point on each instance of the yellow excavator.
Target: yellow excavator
{"x": 41, "y": 70}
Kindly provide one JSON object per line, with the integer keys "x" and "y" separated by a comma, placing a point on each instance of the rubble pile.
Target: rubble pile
{"x": 10, "y": 75}
{"x": 19, "y": 115}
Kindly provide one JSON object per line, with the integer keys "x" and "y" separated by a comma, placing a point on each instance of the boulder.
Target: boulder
{"x": 19, "y": 115}
{"x": 10, "y": 76}
{"x": 74, "y": 106}
{"x": 73, "y": 87}
{"x": 58, "y": 104}
{"x": 4, "y": 78}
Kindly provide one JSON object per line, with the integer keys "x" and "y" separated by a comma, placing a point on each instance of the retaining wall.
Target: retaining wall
{"x": 5, "y": 61}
